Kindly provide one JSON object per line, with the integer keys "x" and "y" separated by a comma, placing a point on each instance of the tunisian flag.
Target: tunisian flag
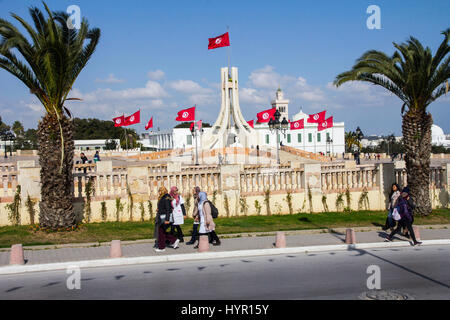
{"x": 265, "y": 116}
{"x": 149, "y": 124}
{"x": 218, "y": 42}
{"x": 119, "y": 121}
{"x": 325, "y": 124}
{"x": 297, "y": 125}
{"x": 251, "y": 123}
{"x": 317, "y": 117}
{"x": 133, "y": 119}
{"x": 186, "y": 115}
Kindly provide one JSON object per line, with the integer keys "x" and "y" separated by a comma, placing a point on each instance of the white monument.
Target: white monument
{"x": 230, "y": 128}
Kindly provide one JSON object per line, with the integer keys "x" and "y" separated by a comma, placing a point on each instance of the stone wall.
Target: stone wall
{"x": 234, "y": 188}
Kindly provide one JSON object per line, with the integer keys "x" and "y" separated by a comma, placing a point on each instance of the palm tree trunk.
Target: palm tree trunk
{"x": 416, "y": 129}
{"x": 56, "y": 206}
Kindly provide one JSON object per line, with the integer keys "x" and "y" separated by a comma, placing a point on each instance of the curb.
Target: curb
{"x": 224, "y": 236}
{"x": 8, "y": 270}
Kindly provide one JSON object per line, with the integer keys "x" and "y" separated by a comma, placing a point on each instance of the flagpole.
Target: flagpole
{"x": 228, "y": 51}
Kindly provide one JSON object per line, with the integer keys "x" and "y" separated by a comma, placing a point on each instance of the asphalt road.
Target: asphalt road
{"x": 419, "y": 272}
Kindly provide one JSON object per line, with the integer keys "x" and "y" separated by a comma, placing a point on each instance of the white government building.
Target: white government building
{"x": 308, "y": 139}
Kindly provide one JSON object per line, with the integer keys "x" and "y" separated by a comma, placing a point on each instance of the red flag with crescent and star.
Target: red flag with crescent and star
{"x": 133, "y": 119}
{"x": 297, "y": 125}
{"x": 149, "y": 124}
{"x": 326, "y": 124}
{"x": 265, "y": 116}
{"x": 317, "y": 117}
{"x": 119, "y": 121}
{"x": 186, "y": 115}
{"x": 219, "y": 42}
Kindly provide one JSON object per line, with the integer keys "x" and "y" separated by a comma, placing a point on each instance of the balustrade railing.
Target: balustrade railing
{"x": 355, "y": 178}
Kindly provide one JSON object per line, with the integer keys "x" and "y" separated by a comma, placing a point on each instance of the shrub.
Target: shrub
{"x": 364, "y": 200}
{"x": 89, "y": 191}
{"x": 141, "y": 207}
{"x": 30, "y": 208}
{"x": 289, "y": 201}
{"x": 150, "y": 209}
{"x": 226, "y": 205}
{"x": 119, "y": 209}
{"x": 340, "y": 202}
{"x": 14, "y": 208}
{"x": 267, "y": 201}
{"x": 348, "y": 196}
{"x": 104, "y": 211}
{"x": 130, "y": 203}
{"x": 325, "y": 205}
{"x": 244, "y": 205}
{"x": 258, "y": 207}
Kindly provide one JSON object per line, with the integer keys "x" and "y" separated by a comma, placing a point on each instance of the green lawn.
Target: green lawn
{"x": 107, "y": 231}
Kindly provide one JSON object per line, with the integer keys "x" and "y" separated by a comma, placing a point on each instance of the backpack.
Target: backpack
{"x": 214, "y": 211}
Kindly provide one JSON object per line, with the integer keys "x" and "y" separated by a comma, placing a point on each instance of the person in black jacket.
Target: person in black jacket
{"x": 411, "y": 206}
{"x": 163, "y": 220}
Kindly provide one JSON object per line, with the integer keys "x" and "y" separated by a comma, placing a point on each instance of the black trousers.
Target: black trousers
{"x": 179, "y": 232}
{"x": 194, "y": 232}
{"x": 213, "y": 237}
{"x": 404, "y": 223}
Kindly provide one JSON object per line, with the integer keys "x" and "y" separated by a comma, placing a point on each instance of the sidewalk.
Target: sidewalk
{"x": 259, "y": 241}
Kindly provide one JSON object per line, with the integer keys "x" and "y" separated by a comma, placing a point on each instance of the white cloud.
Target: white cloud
{"x": 111, "y": 79}
{"x": 152, "y": 90}
{"x": 187, "y": 86}
{"x": 156, "y": 75}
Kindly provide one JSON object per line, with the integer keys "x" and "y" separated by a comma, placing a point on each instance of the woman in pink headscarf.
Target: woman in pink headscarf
{"x": 178, "y": 213}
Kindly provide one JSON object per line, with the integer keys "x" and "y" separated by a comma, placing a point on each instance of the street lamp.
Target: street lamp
{"x": 276, "y": 126}
{"x": 11, "y": 139}
{"x": 329, "y": 144}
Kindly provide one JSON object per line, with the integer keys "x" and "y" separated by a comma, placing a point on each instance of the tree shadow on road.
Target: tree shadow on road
{"x": 362, "y": 252}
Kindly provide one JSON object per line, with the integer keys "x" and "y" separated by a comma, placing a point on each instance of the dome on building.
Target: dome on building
{"x": 299, "y": 116}
{"x": 436, "y": 130}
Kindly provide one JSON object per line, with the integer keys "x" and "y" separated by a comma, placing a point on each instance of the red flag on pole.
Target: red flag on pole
{"x": 251, "y": 123}
{"x": 297, "y": 125}
{"x": 133, "y": 119}
{"x": 317, "y": 117}
{"x": 186, "y": 115}
{"x": 119, "y": 121}
{"x": 218, "y": 42}
{"x": 326, "y": 124}
{"x": 149, "y": 124}
{"x": 191, "y": 128}
{"x": 265, "y": 116}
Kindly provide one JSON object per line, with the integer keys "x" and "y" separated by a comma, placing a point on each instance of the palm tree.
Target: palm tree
{"x": 418, "y": 78}
{"x": 351, "y": 139}
{"x": 50, "y": 64}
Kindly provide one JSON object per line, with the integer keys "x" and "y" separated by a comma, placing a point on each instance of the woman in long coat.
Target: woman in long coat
{"x": 163, "y": 220}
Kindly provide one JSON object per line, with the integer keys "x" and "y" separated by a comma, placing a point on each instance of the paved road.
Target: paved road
{"x": 420, "y": 272}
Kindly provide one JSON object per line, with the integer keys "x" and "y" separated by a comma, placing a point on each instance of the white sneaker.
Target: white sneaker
{"x": 160, "y": 250}
{"x": 175, "y": 244}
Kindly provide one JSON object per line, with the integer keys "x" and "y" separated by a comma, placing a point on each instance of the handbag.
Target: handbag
{"x": 395, "y": 215}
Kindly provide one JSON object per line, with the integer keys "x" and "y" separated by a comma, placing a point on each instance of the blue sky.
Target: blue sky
{"x": 153, "y": 56}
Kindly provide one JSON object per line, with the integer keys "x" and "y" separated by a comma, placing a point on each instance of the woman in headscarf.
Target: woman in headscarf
{"x": 178, "y": 213}
{"x": 163, "y": 218}
{"x": 196, "y": 224}
{"x": 207, "y": 224}
{"x": 394, "y": 195}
